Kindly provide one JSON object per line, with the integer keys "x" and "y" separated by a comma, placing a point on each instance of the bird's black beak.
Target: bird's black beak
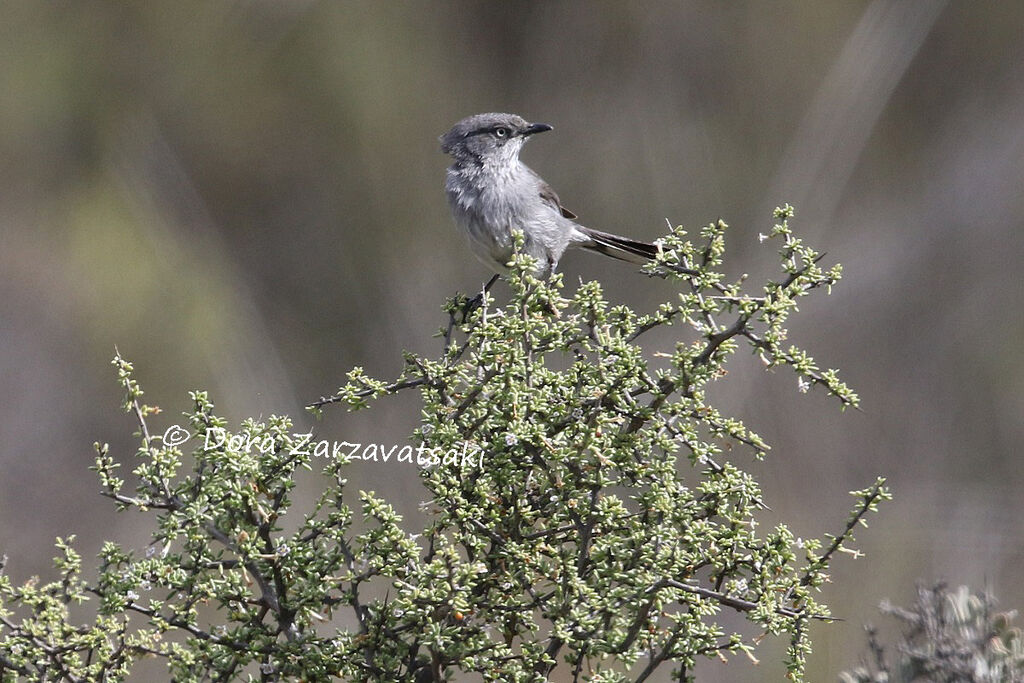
{"x": 535, "y": 128}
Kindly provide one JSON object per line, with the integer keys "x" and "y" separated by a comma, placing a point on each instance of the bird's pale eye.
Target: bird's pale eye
{"x": 502, "y": 132}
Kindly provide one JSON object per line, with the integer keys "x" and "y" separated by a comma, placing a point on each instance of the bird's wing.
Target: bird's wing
{"x": 615, "y": 246}
{"x": 549, "y": 197}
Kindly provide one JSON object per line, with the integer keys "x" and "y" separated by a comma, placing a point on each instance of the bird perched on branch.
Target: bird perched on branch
{"x": 491, "y": 193}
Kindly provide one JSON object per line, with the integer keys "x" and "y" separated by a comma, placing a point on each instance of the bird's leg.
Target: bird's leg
{"x": 478, "y": 300}
{"x": 467, "y": 308}
{"x": 475, "y": 303}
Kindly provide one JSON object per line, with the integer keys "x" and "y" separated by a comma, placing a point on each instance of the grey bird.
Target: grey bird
{"x": 491, "y": 192}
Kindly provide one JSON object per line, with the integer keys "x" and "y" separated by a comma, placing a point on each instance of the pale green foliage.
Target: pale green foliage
{"x": 948, "y": 637}
{"x": 603, "y": 531}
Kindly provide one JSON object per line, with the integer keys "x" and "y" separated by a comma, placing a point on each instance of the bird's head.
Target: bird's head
{"x": 489, "y": 137}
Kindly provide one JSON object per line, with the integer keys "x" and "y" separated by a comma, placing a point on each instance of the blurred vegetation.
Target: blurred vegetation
{"x": 949, "y": 636}
{"x": 247, "y": 197}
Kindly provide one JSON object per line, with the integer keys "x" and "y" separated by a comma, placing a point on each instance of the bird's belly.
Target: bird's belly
{"x": 492, "y": 244}
{"x": 491, "y": 240}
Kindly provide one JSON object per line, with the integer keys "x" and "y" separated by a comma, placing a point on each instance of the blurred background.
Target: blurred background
{"x": 246, "y": 197}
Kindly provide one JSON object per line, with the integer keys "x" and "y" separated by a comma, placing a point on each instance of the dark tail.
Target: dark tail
{"x": 621, "y": 248}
